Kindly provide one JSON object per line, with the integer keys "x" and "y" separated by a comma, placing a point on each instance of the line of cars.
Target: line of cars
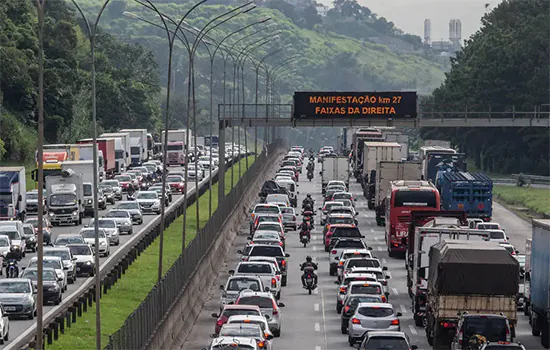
{"x": 250, "y": 311}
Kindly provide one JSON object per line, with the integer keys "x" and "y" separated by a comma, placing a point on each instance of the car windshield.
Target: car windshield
{"x": 365, "y": 289}
{"x": 68, "y": 240}
{"x": 387, "y": 343}
{"x": 287, "y": 211}
{"x": 345, "y": 202}
{"x": 129, "y": 205}
{"x": 56, "y": 264}
{"x": 329, "y": 206}
{"x": 363, "y": 263}
{"x": 269, "y": 226}
{"x": 250, "y": 332}
{"x": 497, "y": 235}
{"x": 106, "y": 188}
{"x": 174, "y": 179}
{"x": 91, "y": 233}
{"x": 80, "y": 250}
{"x": 488, "y": 227}
{"x": 349, "y": 244}
{"x": 62, "y": 199}
{"x": 268, "y": 218}
{"x": 32, "y": 196}
{"x": 341, "y": 210}
{"x": 272, "y": 251}
{"x": 375, "y": 311}
{"x": 492, "y": 328}
{"x": 355, "y": 255}
{"x": 105, "y": 223}
{"x": 353, "y": 302}
{"x": 63, "y": 254}
{"x": 342, "y": 195}
{"x": 267, "y": 209}
{"x": 118, "y": 214}
{"x": 262, "y": 302}
{"x": 123, "y": 178}
{"x": 232, "y": 312}
{"x": 346, "y": 232}
{"x": 33, "y": 275}
{"x": 13, "y": 235}
{"x": 111, "y": 183}
{"x": 4, "y": 243}
{"x": 254, "y": 268}
{"x": 238, "y": 284}
{"x": 33, "y": 222}
{"x": 15, "y": 287}
{"x": 248, "y": 321}
{"x": 147, "y": 195}
{"x": 341, "y": 220}
{"x": 266, "y": 235}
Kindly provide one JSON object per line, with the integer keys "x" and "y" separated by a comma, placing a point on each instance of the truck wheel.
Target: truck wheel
{"x": 418, "y": 321}
{"x": 371, "y": 206}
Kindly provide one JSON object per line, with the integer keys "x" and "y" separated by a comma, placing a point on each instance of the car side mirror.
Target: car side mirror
{"x": 287, "y": 255}
{"x": 248, "y": 238}
{"x": 267, "y": 289}
{"x": 231, "y": 272}
{"x": 221, "y": 287}
{"x": 362, "y": 236}
{"x": 215, "y": 315}
{"x": 34, "y": 290}
{"x": 281, "y": 305}
{"x": 414, "y": 347}
{"x": 214, "y": 335}
{"x": 250, "y": 210}
{"x": 74, "y": 259}
{"x": 298, "y": 192}
{"x": 85, "y": 226}
{"x": 337, "y": 258}
{"x": 357, "y": 212}
{"x": 268, "y": 336}
{"x": 24, "y": 267}
{"x": 336, "y": 282}
{"x": 267, "y": 317}
{"x": 385, "y": 268}
{"x": 399, "y": 314}
{"x": 388, "y": 277}
{"x": 239, "y": 251}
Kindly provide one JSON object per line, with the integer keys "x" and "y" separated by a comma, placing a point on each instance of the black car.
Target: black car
{"x": 271, "y": 187}
{"x": 52, "y": 289}
{"x": 274, "y": 251}
{"x": 29, "y": 236}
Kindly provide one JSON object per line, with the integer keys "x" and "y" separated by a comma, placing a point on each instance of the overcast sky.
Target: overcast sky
{"x": 409, "y": 15}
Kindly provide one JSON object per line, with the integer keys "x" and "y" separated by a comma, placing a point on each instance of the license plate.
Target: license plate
{"x": 9, "y": 308}
{"x": 77, "y": 269}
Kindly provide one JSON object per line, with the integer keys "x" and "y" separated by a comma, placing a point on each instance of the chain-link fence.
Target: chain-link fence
{"x": 141, "y": 324}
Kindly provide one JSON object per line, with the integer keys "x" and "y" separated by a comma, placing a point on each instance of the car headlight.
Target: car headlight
{"x": 75, "y": 213}
{"x": 102, "y": 243}
{"x": 88, "y": 263}
{"x": 89, "y": 201}
{"x": 51, "y": 213}
{"x": 32, "y": 238}
{"x": 53, "y": 289}
{"x": 59, "y": 274}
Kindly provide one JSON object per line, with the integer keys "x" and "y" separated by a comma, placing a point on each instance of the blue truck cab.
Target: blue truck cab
{"x": 471, "y": 192}
{"x": 13, "y": 192}
{"x": 539, "y": 280}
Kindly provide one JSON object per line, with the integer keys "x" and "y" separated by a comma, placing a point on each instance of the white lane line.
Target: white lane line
{"x": 395, "y": 292}
{"x": 316, "y": 290}
{"x": 317, "y": 327}
{"x": 376, "y": 238}
{"x": 380, "y": 249}
{"x": 314, "y": 248}
{"x": 384, "y": 261}
{"x": 317, "y": 347}
{"x": 316, "y": 307}
{"x": 413, "y": 330}
{"x": 372, "y": 230}
{"x": 403, "y": 309}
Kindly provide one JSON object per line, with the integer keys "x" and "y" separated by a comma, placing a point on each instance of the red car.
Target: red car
{"x": 124, "y": 181}
{"x": 176, "y": 183}
{"x": 232, "y": 310}
{"x": 330, "y": 231}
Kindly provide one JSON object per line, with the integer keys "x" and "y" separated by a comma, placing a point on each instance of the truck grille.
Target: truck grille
{"x": 63, "y": 211}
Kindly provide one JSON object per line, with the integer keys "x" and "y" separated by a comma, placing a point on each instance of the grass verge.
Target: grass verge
{"x": 126, "y": 295}
{"x": 535, "y": 200}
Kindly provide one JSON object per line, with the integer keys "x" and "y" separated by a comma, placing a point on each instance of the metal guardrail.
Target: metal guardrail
{"x": 110, "y": 271}
{"x": 535, "y": 179}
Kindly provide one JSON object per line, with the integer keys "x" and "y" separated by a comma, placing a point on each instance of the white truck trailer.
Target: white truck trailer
{"x": 335, "y": 168}
{"x": 122, "y": 149}
{"x": 138, "y": 145}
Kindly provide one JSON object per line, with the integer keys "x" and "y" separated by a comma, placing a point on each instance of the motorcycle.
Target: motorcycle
{"x": 12, "y": 271}
{"x": 308, "y": 272}
{"x": 309, "y": 175}
{"x": 304, "y": 237}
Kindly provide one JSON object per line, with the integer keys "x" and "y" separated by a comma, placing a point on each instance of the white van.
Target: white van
{"x": 292, "y": 188}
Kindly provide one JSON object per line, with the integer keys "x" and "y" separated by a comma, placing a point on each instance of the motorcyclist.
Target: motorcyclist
{"x": 309, "y": 263}
{"x": 131, "y": 190}
{"x": 310, "y": 166}
{"x": 308, "y": 200}
{"x": 305, "y": 227}
{"x": 12, "y": 255}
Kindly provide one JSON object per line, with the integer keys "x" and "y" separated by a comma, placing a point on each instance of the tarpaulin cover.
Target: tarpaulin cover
{"x": 464, "y": 267}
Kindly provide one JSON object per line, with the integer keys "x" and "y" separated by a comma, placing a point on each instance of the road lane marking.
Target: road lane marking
{"x": 395, "y": 292}
{"x": 413, "y": 330}
{"x": 372, "y": 230}
{"x": 317, "y": 327}
{"x": 380, "y": 249}
{"x": 314, "y": 248}
{"x": 316, "y": 307}
{"x": 403, "y": 309}
{"x": 317, "y": 347}
{"x": 384, "y": 261}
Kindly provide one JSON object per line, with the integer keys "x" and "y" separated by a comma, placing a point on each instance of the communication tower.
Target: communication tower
{"x": 427, "y": 31}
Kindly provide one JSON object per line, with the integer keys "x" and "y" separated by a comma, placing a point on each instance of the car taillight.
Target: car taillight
{"x": 343, "y": 289}
{"x": 281, "y": 244}
{"x": 508, "y": 337}
{"x": 355, "y": 321}
{"x": 283, "y": 263}
{"x": 341, "y": 263}
{"x": 346, "y": 309}
{"x": 261, "y": 344}
{"x": 383, "y": 298}
{"x": 219, "y": 323}
{"x": 395, "y": 323}
{"x": 273, "y": 283}
{"x": 333, "y": 251}
{"x": 294, "y": 217}
{"x": 384, "y": 283}
{"x": 278, "y": 277}
{"x": 460, "y": 337}
{"x": 251, "y": 242}
{"x": 275, "y": 309}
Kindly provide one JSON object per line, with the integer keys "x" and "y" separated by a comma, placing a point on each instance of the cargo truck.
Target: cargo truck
{"x": 527, "y": 279}
{"x": 175, "y": 152}
{"x": 433, "y": 157}
{"x": 539, "y": 281}
{"x": 53, "y": 155}
{"x": 85, "y": 168}
{"x": 388, "y": 171}
{"x": 64, "y": 195}
{"x": 437, "y": 143}
{"x": 468, "y": 276}
{"x": 85, "y": 151}
{"x": 402, "y": 139}
{"x": 471, "y": 192}
{"x": 13, "y": 193}
{"x": 358, "y": 144}
{"x": 418, "y": 266}
{"x": 374, "y": 153}
{"x": 122, "y": 149}
{"x": 138, "y": 145}
{"x": 335, "y": 168}
{"x": 107, "y": 148}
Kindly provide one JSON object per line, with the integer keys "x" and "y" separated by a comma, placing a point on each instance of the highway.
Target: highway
{"x": 310, "y": 322}
{"x": 18, "y": 326}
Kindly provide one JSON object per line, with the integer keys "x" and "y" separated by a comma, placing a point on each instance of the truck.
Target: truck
{"x": 85, "y": 151}
{"x": 434, "y": 157}
{"x": 357, "y": 146}
{"x": 374, "y": 153}
{"x": 52, "y": 155}
{"x": 401, "y": 139}
{"x": 471, "y": 192}
{"x": 150, "y": 146}
{"x": 138, "y": 145}
{"x": 122, "y": 149}
{"x": 86, "y": 169}
{"x": 468, "y": 276}
{"x": 388, "y": 171}
{"x": 527, "y": 278}
{"x": 176, "y": 149}
{"x": 107, "y": 148}
{"x": 13, "y": 193}
{"x": 64, "y": 195}
{"x": 214, "y": 139}
{"x": 437, "y": 143}
{"x": 539, "y": 281}
{"x": 335, "y": 168}
{"x": 418, "y": 262}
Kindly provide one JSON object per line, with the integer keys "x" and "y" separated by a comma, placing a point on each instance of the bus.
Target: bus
{"x": 404, "y": 196}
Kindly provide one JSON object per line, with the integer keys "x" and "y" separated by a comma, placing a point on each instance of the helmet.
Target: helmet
{"x": 308, "y": 258}
{"x": 308, "y": 195}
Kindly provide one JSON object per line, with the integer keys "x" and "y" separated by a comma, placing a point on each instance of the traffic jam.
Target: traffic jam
{"x": 444, "y": 251}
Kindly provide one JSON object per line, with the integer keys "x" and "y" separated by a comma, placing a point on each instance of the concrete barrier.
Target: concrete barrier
{"x": 178, "y": 323}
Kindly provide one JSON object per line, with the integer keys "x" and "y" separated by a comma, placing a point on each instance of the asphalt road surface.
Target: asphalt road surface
{"x": 19, "y": 325}
{"x": 310, "y": 322}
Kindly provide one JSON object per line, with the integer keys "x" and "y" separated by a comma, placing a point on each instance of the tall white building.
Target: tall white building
{"x": 427, "y": 31}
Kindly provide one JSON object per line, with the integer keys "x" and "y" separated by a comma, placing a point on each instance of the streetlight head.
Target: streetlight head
{"x": 129, "y": 14}
{"x": 248, "y": 9}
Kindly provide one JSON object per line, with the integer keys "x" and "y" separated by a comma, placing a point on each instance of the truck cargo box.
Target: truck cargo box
{"x": 540, "y": 265}
{"x": 472, "y": 268}
{"x": 448, "y": 306}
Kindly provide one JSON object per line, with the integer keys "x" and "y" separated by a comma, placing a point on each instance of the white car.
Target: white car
{"x": 205, "y": 162}
{"x": 4, "y": 325}
{"x": 353, "y": 263}
{"x": 16, "y": 241}
{"x": 110, "y": 227}
{"x": 149, "y": 201}
{"x": 195, "y": 172}
{"x": 265, "y": 270}
{"x": 123, "y": 220}
{"x": 89, "y": 236}
{"x": 56, "y": 263}
{"x": 350, "y": 253}
{"x": 340, "y": 245}
{"x": 338, "y": 183}
{"x": 253, "y": 319}
{"x": 497, "y": 236}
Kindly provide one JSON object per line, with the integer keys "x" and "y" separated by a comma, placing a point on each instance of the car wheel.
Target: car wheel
{"x": 31, "y": 316}
{"x": 344, "y": 327}
{"x": 283, "y": 281}
{"x": 23, "y": 254}
{"x": 65, "y": 288}
{"x": 130, "y": 232}
{"x": 278, "y": 296}
{"x": 338, "y": 308}
{"x": 7, "y": 336}
{"x": 117, "y": 243}
{"x": 71, "y": 281}
{"x": 92, "y": 273}
{"x": 277, "y": 333}
{"x": 57, "y": 301}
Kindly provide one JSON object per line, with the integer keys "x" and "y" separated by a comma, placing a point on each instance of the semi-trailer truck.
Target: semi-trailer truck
{"x": 358, "y": 145}
{"x": 539, "y": 281}
{"x": 12, "y": 193}
{"x": 433, "y": 157}
{"x": 85, "y": 151}
{"x": 335, "y": 168}
{"x": 468, "y": 276}
{"x": 374, "y": 153}
{"x": 176, "y": 149}
{"x": 52, "y": 155}
{"x": 138, "y": 145}
{"x": 122, "y": 149}
{"x": 471, "y": 192}
{"x": 64, "y": 195}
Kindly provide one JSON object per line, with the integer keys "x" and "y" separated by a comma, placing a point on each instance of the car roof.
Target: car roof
{"x": 251, "y": 293}
{"x": 358, "y": 251}
{"x": 376, "y": 305}
{"x": 36, "y": 268}
{"x": 387, "y": 334}
{"x": 8, "y": 280}
{"x": 71, "y": 234}
{"x": 266, "y": 245}
{"x": 341, "y": 215}
{"x": 247, "y": 317}
{"x": 256, "y": 262}
{"x": 78, "y": 245}
{"x": 363, "y": 282}
{"x": 260, "y": 258}
{"x": 234, "y": 340}
{"x": 46, "y": 257}
{"x": 333, "y": 202}
{"x": 55, "y": 248}
{"x": 239, "y": 306}
{"x": 484, "y": 316}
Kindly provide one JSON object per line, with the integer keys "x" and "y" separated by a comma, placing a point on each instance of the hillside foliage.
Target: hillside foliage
{"x": 504, "y": 65}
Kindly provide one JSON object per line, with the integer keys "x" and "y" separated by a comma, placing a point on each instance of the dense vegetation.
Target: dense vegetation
{"x": 504, "y": 64}
{"x": 127, "y": 80}
{"x": 334, "y": 54}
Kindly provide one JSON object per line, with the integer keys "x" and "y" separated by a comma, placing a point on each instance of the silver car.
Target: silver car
{"x": 134, "y": 209}
{"x": 69, "y": 262}
{"x": 289, "y": 218}
{"x": 149, "y": 201}
{"x": 110, "y": 227}
{"x": 115, "y": 185}
{"x": 268, "y": 306}
{"x": 236, "y": 284}
{"x": 123, "y": 220}
{"x": 89, "y": 236}
{"x": 55, "y": 263}
{"x": 18, "y": 296}
{"x": 372, "y": 317}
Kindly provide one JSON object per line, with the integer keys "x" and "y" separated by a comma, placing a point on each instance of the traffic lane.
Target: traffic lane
{"x": 517, "y": 229}
{"x": 19, "y": 325}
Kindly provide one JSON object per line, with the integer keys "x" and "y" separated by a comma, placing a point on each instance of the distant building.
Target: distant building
{"x": 322, "y": 10}
{"x": 441, "y": 45}
{"x": 455, "y": 31}
{"x": 427, "y": 31}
